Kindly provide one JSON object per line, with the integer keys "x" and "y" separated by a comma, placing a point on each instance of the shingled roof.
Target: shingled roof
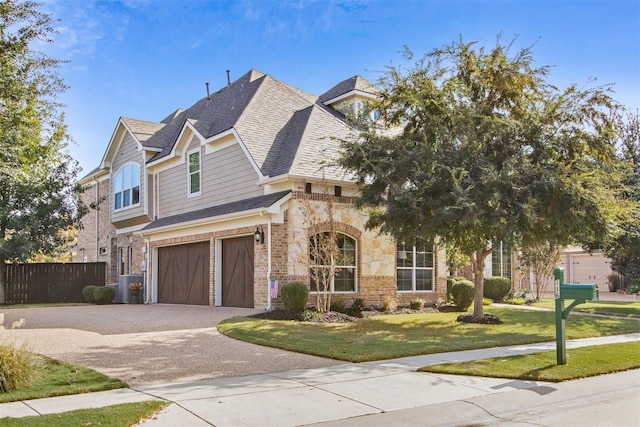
{"x": 284, "y": 129}
{"x": 355, "y": 83}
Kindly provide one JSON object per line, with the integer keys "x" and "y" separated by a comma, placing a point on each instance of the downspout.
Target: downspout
{"x": 145, "y": 272}
{"x": 97, "y": 239}
{"x": 268, "y": 218}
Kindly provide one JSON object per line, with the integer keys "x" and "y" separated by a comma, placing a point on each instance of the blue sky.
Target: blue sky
{"x": 144, "y": 59}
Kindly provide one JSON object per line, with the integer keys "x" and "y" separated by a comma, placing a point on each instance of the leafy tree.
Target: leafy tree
{"x": 624, "y": 251}
{"x": 475, "y": 146}
{"x": 38, "y": 197}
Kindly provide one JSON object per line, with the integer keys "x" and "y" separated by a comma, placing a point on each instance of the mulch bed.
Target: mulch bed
{"x": 335, "y": 316}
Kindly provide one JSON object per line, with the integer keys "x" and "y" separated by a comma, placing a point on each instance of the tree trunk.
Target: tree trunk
{"x": 477, "y": 262}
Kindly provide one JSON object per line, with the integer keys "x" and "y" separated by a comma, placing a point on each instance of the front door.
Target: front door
{"x": 237, "y": 272}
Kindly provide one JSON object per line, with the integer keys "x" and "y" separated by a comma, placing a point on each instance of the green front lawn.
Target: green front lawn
{"x": 393, "y": 336}
{"x": 126, "y": 414}
{"x": 608, "y": 308}
{"x": 581, "y": 362}
{"x": 56, "y": 378}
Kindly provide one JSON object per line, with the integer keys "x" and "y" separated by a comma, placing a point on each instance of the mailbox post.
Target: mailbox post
{"x": 579, "y": 293}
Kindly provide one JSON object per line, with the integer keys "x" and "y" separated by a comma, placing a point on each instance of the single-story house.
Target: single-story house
{"x": 212, "y": 202}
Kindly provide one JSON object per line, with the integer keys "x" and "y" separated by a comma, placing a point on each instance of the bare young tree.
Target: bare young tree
{"x": 321, "y": 246}
{"x": 541, "y": 259}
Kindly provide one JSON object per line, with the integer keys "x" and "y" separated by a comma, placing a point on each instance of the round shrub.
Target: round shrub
{"x": 450, "y": 281}
{"x": 496, "y": 287}
{"x": 87, "y": 293}
{"x": 294, "y": 296}
{"x": 462, "y": 293}
{"x": 416, "y": 304}
{"x": 104, "y": 294}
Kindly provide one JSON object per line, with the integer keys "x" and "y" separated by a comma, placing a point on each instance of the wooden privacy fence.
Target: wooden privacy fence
{"x": 51, "y": 282}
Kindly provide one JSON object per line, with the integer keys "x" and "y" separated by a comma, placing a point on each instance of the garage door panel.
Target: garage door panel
{"x": 237, "y": 272}
{"x": 184, "y": 274}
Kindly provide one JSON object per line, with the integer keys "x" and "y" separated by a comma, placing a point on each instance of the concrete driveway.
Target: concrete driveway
{"x": 150, "y": 344}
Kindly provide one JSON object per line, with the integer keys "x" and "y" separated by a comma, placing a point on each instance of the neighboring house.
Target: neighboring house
{"x": 210, "y": 201}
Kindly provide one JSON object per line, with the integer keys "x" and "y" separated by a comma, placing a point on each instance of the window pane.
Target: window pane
{"x": 126, "y": 177}
{"x": 347, "y": 247}
{"x": 345, "y": 280}
{"x": 194, "y": 162}
{"x": 126, "y": 199}
{"x": 424, "y": 258}
{"x": 424, "y": 280}
{"x": 117, "y": 182}
{"x": 136, "y": 195}
{"x": 135, "y": 176}
{"x": 118, "y": 203}
{"x": 195, "y": 183}
{"x": 404, "y": 280}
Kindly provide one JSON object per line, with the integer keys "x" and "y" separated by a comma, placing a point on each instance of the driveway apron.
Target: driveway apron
{"x": 150, "y": 344}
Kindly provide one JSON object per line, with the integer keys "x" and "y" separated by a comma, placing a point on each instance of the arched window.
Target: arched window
{"x": 333, "y": 262}
{"x": 126, "y": 186}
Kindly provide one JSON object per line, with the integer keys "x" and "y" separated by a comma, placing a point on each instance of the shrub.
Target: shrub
{"x": 358, "y": 305}
{"x": 389, "y": 303}
{"x": 17, "y": 367}
{"x": 486, "y": 301}
{"x": 450, "y": 281}
{"x": 339, "y": 306}
{"x": 416, "y": 304}
{"x": 515, "y": 301}
{"x": 87, "y": 293}
{"x": 462, "y": 293}
{"x": 294, "y": 296}
{"x": 104, "y": 294}
{"x": 496, "y": 287}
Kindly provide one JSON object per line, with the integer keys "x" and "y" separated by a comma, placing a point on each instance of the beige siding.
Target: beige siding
{"x": 128, "y": 152}
{"x": 227, "y": 176}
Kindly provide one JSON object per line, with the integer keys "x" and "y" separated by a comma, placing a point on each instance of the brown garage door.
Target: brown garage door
{"x": 183, "y": 274}
{"x": 237, "y": 272}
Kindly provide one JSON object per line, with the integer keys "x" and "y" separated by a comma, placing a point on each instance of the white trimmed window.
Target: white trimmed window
{"x": 193, "y": 180}
{"x": 414, "y": 268}
{"x": 344, "y": 279}
{"x": 126, "y": 186}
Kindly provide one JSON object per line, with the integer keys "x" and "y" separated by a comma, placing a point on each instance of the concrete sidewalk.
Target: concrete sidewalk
{"x": 388, "y": 392}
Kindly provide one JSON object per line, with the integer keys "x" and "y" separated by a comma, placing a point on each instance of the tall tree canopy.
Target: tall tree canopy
{"x": 38, "y": 190}
{"x": 624, "y": 250}
{"x": 476, "y": 147}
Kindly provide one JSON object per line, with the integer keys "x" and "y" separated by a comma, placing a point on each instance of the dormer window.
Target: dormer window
{"x": 126, "y": 186}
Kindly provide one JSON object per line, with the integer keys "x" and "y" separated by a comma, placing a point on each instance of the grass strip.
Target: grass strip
{"x": 607, "y": 308}
{"x": 581, "y": 363}
{"x": 56, "y": 378}
{"x": 123, "y": 415}
{"x": 392, "y": 336}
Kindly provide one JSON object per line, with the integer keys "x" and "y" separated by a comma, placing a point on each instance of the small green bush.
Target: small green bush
{"x": 87, "y": 293}
{"x": 462, "y": 293}
{"x": 294, "y": 296}
{"x": 358, "y": 305}
{"x": 450, "y": 281}
{"x": 486, "y": 301}
{"x": 416, "y": 304}
{"x": 339, "y": 306}
{"x": 496, "y": 287}
{"x": 635, "y": 286}
{"x": 104, "y": 294}
{"x": 17, "y": 367}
